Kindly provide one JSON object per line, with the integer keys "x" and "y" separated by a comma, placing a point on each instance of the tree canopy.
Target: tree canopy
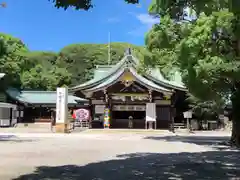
{"x": 41, "y": 70}
{"x": 206, "y": 49}
{"x": 77, "y": 4}
{"x": 81, "y": 4}
{"x": 81, "y": 59}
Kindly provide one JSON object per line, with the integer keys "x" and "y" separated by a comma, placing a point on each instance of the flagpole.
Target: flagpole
{"x": 109, "y": 48}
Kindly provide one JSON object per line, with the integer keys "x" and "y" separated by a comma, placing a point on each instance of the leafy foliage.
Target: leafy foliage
{"x": 11, "y": 60}
{"x": 206, "y": 50}
{"x": 73, "y": 65}
{"x": 205, "y": 109}
{"x": 81, "y": 59}
{"x": 81, "y": 4}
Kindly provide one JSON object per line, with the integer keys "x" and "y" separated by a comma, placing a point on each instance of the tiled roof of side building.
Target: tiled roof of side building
{"x": 41, "y": 97}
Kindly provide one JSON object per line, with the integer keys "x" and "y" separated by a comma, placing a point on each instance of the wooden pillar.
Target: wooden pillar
{"x": 110, "y": 108}
{"x": 172, "y": 111}
{"x": 40, "y": 113}
{"x": 92, "y": 112}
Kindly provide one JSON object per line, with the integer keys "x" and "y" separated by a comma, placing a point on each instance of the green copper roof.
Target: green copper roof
{"x": 139, "y": 79}
{"x": 175, "y": 81}
{"x": 104, "y": 75}
{"x": 108, "y": 72}
{"x": 40, "y": 97}
{"x": 146, "y": 82}
{"x": 111, "y": 80}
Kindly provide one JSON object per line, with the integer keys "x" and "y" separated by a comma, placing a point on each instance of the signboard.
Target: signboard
{"x": 61, "y": 105}
{"x": 150, "y": 112}
{"x": 187, "y": 114}
{"x": 221, "y": 117}
{"x": 97, "y": 101}
{"x": 99, "y": 109}
{"x": 82, "y": 114}
{"x": 129, "y": 108}
{"x": 162, "y": 102}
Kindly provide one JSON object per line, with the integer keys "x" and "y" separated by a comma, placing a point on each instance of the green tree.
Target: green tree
{"x": 206, "y": 109}
{"x": 11, "y": 60}
{"x": 81, "y": 4}
{"x": 207, "y": 50}
{"x": 41, "y": 70}
{"x": 39, "y": 78}
{"x": 77, "y": 4}
{"x": 81, "y": 59}
{"x": 44, "y": 72}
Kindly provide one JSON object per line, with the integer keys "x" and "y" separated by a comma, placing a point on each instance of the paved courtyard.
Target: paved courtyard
{"x": 116, "y": 156}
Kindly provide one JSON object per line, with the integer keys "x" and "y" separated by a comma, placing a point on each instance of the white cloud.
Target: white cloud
{"x": 146, "y": 19}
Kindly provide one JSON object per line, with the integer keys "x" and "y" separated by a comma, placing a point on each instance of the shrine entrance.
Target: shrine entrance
{"x": 128, "y": 116}
{"x": 146, "y": 100}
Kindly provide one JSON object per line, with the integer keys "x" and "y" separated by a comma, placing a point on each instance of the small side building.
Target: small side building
{"x": 8, "y": 116}
{"x": 39, "y": 106}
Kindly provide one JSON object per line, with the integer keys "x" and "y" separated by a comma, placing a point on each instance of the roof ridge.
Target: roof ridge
{"x": 33, "y": 91}
{"x": 112, "y": 71}
{"x": 46, "y": 92}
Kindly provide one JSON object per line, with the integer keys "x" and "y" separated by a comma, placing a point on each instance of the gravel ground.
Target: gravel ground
{"x": 117, "y": 156}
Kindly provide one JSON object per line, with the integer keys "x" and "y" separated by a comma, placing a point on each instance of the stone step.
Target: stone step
{"x": 33, "y": 125}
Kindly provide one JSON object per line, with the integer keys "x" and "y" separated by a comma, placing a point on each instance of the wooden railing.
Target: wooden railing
{"x": 179, "y": 125}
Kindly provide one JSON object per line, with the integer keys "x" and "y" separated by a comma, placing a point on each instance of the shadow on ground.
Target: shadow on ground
{"x": 217, "y": 142}
{"x": 220, "y": 165}
{"x": 13, "y": 138}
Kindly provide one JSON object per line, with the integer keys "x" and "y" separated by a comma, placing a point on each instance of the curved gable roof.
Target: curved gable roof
{"x": 104, "y": 74}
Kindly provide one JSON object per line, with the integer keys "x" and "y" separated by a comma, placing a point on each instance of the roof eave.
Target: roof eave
{"x": 88, "y": 86}
{"x": 167, "y": 84}
{"x": 165, "y": 91}
{"x": 162, "y": 90}
{"x": 107, "y": 85}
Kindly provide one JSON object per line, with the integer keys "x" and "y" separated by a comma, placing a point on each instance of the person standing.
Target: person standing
{"x": 130, "y": 122}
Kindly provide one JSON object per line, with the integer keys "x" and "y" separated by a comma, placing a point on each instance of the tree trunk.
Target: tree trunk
{"x": 235, "y": 138}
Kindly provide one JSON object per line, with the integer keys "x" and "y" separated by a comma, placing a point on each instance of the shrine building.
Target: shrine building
{"x": 130, "y": 94}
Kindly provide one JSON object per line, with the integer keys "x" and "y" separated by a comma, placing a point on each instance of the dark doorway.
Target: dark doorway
{"x": 120, "y": 119}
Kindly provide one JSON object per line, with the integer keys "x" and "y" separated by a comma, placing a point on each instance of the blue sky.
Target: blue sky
{"x": 43, "y": 27}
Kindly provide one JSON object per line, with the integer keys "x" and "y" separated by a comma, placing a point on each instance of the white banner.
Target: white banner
{"x": 61, "y": 105}
{"x": 150, "y": 112}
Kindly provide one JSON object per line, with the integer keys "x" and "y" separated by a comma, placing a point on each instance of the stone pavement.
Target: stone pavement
{"x": 116, "y": 156}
